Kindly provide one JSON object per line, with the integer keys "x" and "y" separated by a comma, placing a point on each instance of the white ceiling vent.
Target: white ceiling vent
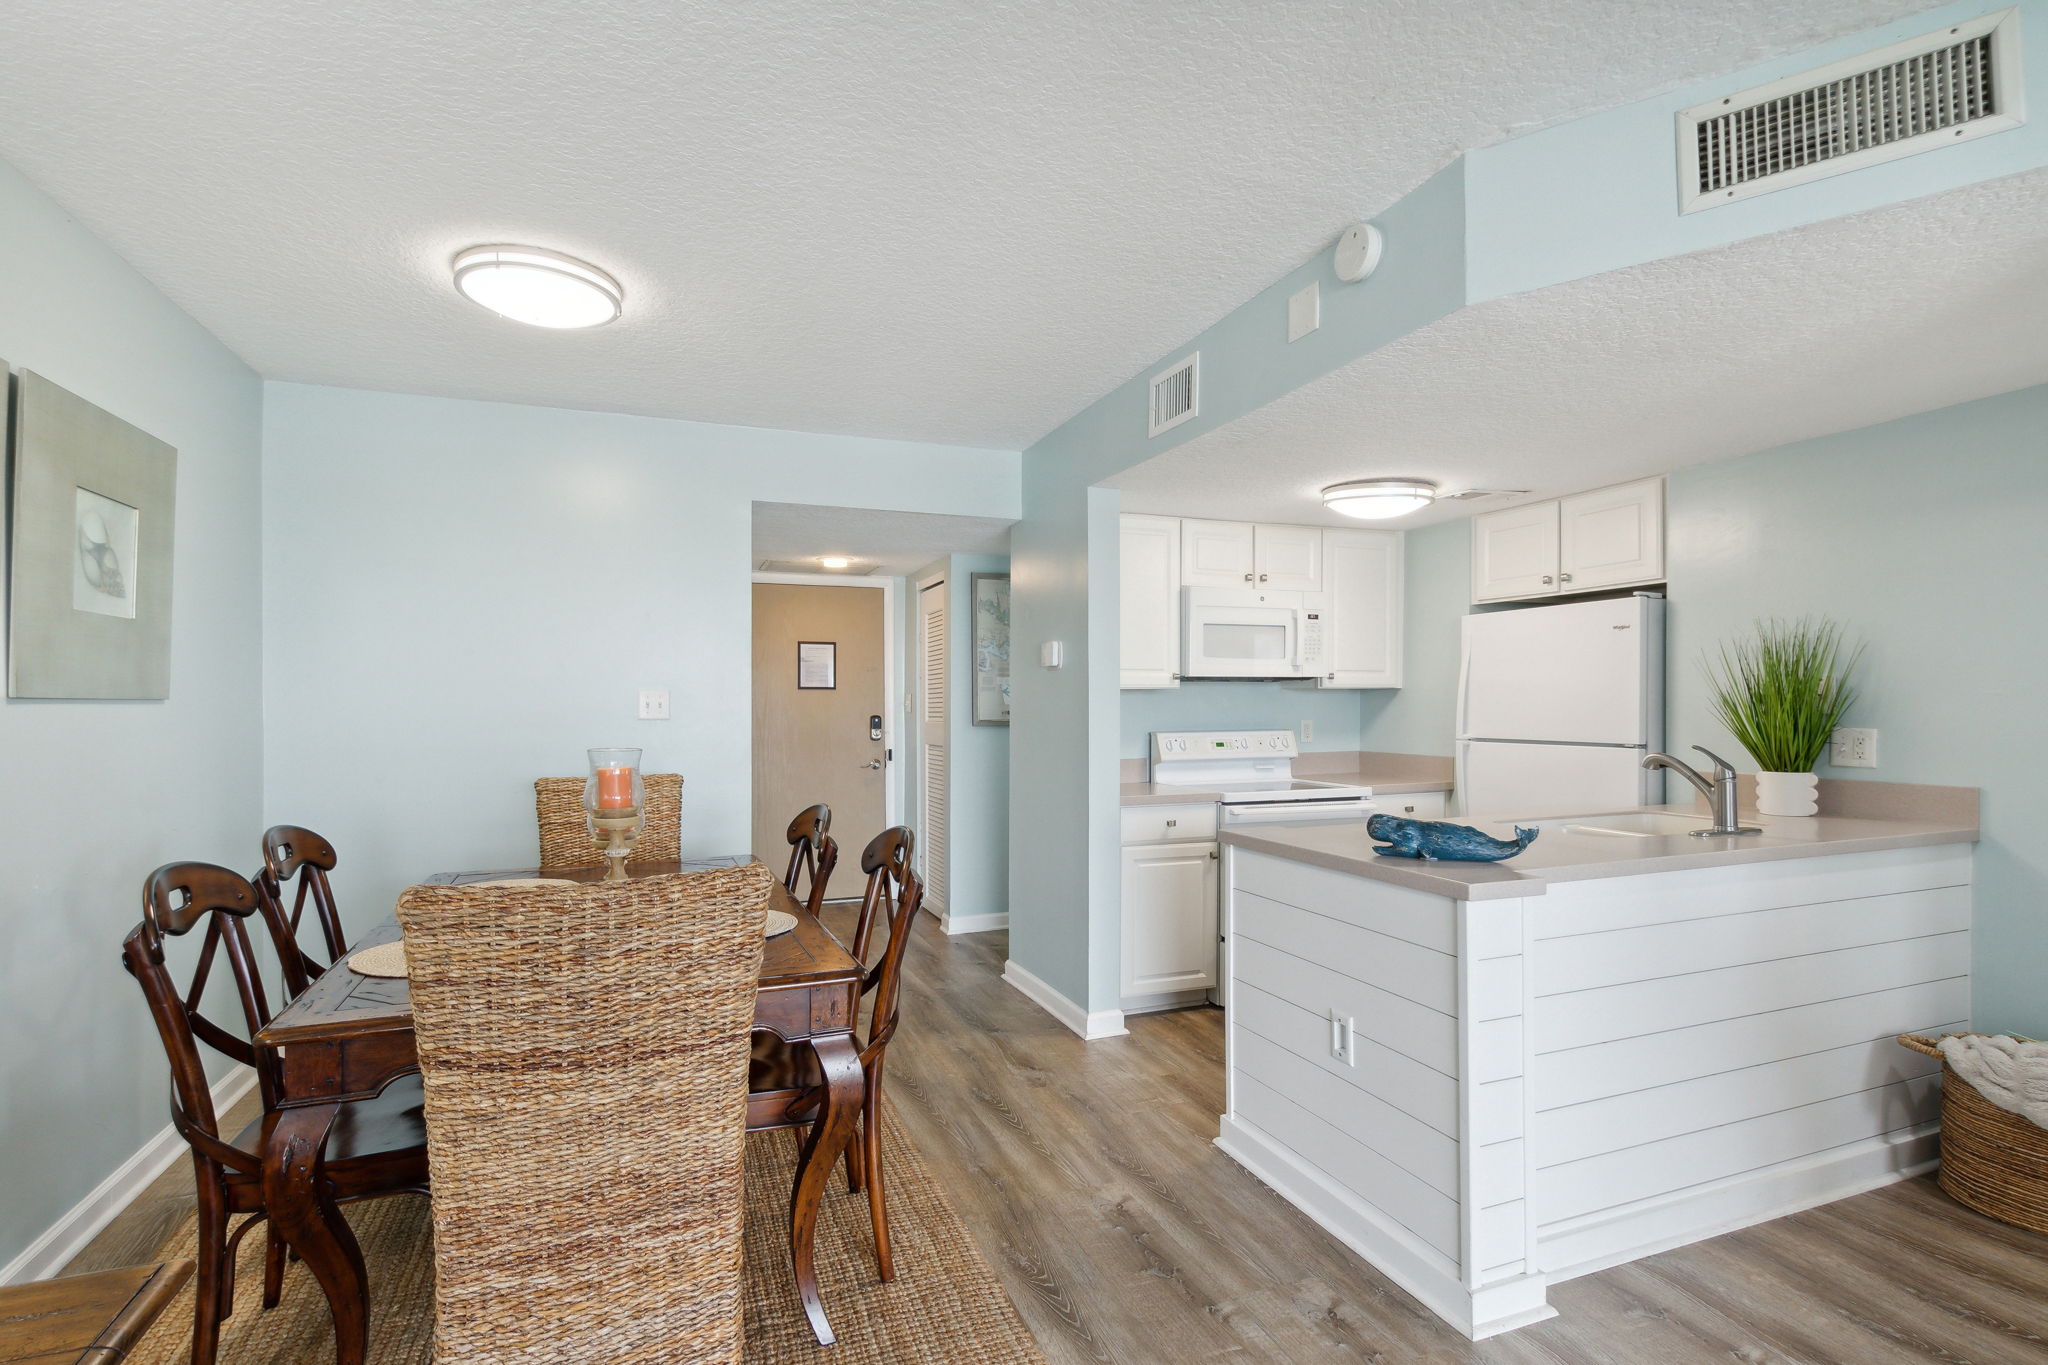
{"x": 1176, "y": 394}
{"x": 1932, "y": 91}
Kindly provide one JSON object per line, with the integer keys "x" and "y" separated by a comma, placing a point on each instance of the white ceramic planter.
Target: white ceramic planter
{"x": 1787, "y": 793}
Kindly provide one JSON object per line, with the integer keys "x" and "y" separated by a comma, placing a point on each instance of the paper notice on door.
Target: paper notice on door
{"x": 817, "y": 665}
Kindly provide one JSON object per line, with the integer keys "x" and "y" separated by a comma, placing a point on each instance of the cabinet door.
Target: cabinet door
{"x": 1414, "y": 805}
{"x": 1361, "y": 608}
{"x": 1611, "y": 537}
{"x": 1288, "y": 558}
{"x": 1149, "y": 612}
{"x": 1514, "y": 553}
{"x": 1217, "y": 554}
{"x": 1169, "y": 914}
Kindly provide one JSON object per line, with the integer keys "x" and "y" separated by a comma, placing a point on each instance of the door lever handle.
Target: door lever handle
{"x": 876, "y": 764}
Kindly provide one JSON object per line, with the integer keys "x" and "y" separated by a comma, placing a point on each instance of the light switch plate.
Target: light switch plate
{"x": 1853, "y": 748}
{"x": 653, "y": 704}
{"x": 1304, "y": 311}
{"x": 1308, "y": 729}
{"x": 1050, "y": 653}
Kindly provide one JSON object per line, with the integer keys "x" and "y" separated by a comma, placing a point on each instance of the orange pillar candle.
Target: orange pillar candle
{"x": 614, "y": 788}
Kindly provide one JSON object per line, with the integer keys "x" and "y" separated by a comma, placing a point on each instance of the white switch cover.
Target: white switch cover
{"x": 1304, "y": 311}
{"x": 653, "y": 704}
{"x": 1308, "y": 730}
{"x": 1852, "y": 748}
{"x": 1050, "y": 653}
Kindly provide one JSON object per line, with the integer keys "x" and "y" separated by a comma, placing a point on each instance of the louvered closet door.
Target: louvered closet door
{"x": 931, "y": 718}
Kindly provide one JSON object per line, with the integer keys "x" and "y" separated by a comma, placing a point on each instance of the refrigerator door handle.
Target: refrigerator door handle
{"x": 1458, "y": 778}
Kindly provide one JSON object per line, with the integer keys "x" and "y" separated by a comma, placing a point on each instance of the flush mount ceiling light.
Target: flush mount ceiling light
{"x": 835, "y": 561}
{"x": 543, "y": 288}
{"x": 1379, "y": 499}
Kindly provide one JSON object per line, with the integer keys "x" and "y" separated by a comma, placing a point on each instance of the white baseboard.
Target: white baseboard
{"x": 1100, "y": 1024}
{"x": 973, "y": 924}
{"x": 1393, "y": 1250}
{"x": 48, "y": 1254}
{"x": 1596, "y": 1241}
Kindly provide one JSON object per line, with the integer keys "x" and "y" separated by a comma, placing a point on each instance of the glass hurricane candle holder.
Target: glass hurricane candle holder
{"x": 614, "y": 804}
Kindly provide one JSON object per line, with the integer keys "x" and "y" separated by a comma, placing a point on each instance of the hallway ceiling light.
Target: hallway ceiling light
{"x": 543, "y": 288}
{"x": 1379, "y": 499}
{"x": 835, "y": 561}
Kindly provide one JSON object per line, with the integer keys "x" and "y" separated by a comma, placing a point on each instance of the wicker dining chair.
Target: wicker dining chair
{"x": 790, "y": 1073}
{"x": 376, "y": 1147}
{"x": 813, "y": 853}
{"x": 565, "y": 838}
{"x": 584, "y": 1050}
{"x": 293, "y": 854}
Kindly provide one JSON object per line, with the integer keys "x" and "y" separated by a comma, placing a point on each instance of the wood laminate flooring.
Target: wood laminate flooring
{"x": 1087, "y": 1175}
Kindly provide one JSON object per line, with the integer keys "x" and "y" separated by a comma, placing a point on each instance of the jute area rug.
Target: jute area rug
{"x": 945, "y": 1305}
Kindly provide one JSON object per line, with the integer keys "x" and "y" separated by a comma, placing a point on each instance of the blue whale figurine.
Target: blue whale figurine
{"x": 1440, "y": 839}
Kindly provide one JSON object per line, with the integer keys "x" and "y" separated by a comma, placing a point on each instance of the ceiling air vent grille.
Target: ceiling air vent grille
{"x": 1176, "y": 394}
{"x": 1928, "y": 92}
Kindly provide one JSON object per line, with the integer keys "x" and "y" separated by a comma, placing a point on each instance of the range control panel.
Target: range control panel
{"x": 1174, "y": 745}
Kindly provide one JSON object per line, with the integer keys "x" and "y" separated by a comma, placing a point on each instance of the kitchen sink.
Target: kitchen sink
{"x": 1624, "y": 824}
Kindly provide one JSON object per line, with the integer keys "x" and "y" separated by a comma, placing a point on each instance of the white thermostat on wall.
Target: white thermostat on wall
{"x": 1358, "y": 252}
{"x": 1049, "y": 654}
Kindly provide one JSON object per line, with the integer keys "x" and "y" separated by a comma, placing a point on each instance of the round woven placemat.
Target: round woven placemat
{"x": 383, "y": 959}
{"x": 779, "y": 922}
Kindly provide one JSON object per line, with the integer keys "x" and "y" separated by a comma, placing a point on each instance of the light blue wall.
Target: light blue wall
{"x": 1925, "y": 537}
{"x": 99, "y": 793}
{"x": 1238, "y": 706}
{"x": 463, "y": 596}
{"x": 1601, "y": 192}
{"x": 978, "y": 821}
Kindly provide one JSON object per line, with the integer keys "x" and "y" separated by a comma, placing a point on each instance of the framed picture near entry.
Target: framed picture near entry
{"x": 89, "y": 583}
{"x": 817, "y": 665}
{"x": 991, "y": 596}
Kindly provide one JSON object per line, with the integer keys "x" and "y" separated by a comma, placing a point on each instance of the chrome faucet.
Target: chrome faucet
{"x": 1720, "y": 792}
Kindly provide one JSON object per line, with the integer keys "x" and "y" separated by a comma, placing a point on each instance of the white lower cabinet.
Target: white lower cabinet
{"x": 1414, "y": 805}
{"x": 1169, "y": 922}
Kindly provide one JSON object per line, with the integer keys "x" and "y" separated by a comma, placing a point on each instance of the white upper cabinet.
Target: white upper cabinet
{"x": 1609, "y": 538}
{"x": 1218, "y": 554}
{"x": 1361, "y": 603}
{"x": 1237, "y": 554}
{"x": 1149, "y": 611}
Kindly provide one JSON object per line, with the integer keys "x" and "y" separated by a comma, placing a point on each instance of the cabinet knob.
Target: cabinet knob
{"x": 1176, "y": 677}
{"x": 1212, "y": 853}
{"x": 1564, "y": 578}
{"x": 1262, "y": 578}
{"x": 1331, "y": 676}
{"x": 1171, "y": 823}
{"x": 1247, "y": 578}
{"x": 1546, "y": 578}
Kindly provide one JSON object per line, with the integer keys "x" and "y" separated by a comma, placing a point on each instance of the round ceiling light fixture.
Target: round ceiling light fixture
{"x": 1379, "y": 499}
{"x": 543, "y": 288}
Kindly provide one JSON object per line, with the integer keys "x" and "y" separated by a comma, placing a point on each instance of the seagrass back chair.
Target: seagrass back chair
{"x": 565, "y": 839}
{"x": 587, "y": 1153}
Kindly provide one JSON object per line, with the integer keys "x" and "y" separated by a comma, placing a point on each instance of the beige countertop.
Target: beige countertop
{"x": 1558, "y": 856}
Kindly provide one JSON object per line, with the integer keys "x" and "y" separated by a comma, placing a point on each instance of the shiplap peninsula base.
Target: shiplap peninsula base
{"x": 1483, "y": 1097}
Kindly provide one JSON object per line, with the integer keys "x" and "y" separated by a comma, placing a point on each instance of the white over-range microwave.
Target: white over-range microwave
{"x": 1251, "y": 633}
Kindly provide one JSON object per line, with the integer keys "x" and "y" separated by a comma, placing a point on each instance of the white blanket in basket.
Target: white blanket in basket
{"x": 2010, "y": 1072}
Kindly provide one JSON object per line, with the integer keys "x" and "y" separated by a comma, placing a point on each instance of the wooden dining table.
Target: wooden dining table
{"x": 347, "y": 1036}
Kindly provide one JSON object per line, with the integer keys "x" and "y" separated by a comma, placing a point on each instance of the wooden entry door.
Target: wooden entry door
{"x": 813, "y": 744}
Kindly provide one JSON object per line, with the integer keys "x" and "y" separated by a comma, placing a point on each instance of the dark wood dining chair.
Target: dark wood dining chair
{"x": 376, "y": 1146}
{"x": 584, "y": 1050}
{"x": 783, "y": 1078}
{"x": 565, "y": 839}
{"x": 813, "y": 853}
{"x": 298, "y": 859}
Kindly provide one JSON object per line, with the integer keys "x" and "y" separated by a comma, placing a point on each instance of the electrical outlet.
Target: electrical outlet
{"x": 653, "y": 704}
{"x": 1852, "y": 748}
{"x": 1343, "y": 1039}
{"x": 1308, "y": 730}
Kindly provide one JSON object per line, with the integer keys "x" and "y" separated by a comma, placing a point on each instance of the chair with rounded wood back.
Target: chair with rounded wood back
{"x": 894, "y": 892}
{"x": 565, "y": 839}
{"x": 813, "y": 853}
{"x": 376, "y": 1147}
{"x": 295, "y": 854}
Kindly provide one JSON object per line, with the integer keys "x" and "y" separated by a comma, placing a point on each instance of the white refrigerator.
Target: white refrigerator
{"x": 1557, "y": 706}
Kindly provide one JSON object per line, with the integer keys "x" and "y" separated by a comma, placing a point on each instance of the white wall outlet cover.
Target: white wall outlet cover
{"x": 1308, "y": 730}
{"x": 653, "y": 704}
{"x": 1049, "y": 654}
{"x": 1850, "y": 747}
{"x": 1358, "y": 252}
{"x": 1304, "y": 311}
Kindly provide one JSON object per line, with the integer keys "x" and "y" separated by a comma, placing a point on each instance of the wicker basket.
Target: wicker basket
{"x": 1991, "y": 1161}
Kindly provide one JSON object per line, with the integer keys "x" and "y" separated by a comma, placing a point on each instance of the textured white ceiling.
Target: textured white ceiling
{"x": 1821, "y": 329}
{"x": 877, "y": 541}
{"x": 933, "y": 219}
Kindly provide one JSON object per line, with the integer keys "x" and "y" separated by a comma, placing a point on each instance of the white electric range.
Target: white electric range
{"x": 1253, "y": 772}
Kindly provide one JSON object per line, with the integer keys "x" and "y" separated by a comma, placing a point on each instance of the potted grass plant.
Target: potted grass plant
{"x": 1781, "y": 693}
